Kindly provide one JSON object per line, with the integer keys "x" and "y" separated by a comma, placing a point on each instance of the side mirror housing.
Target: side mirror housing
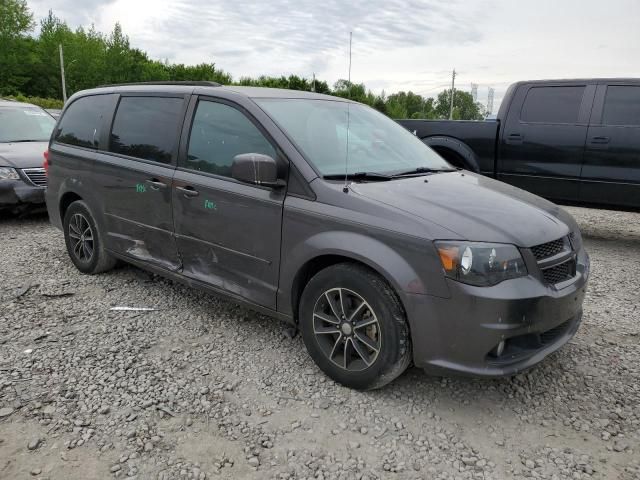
{"x": 257, "y": 169}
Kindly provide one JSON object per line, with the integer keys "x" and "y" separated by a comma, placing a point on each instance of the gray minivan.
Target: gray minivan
{"x": 324, "y": 213}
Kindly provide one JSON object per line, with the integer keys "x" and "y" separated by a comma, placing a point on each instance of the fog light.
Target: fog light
{"x": 499, "y": 349}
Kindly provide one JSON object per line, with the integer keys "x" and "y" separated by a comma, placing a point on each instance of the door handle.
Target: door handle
{"x": 600, "y": 140}
{"x": 188, "y": 191}
{"x": 156, "y": 184}
{"x": 515, "y": 139}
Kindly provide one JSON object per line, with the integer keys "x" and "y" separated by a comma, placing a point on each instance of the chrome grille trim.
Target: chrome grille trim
{"x": 37, "y": 176}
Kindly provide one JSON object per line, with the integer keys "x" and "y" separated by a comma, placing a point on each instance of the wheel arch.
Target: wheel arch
{"x": 65, "y": 200}
{"x": 458, "y": 153}
{"x": 371, "y": 253}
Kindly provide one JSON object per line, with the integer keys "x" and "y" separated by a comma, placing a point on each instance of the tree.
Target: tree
{"x": 464, "y": 108}
{"x": 16, "y": 21}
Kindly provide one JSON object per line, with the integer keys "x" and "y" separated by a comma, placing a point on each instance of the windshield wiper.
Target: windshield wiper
{"x": 421, "y": 171}
{"x": 359, "y": 176}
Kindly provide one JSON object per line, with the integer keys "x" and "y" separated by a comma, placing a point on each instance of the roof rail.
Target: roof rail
{"x": 193, "y": 83}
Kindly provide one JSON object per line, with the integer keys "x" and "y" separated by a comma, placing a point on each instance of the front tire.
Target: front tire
{"x": 354, "y": 327}
{"x": 83, "y": 240}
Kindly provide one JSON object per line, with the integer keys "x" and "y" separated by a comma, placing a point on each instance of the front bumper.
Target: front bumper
{"x": 461, "y": 333}
{"x": 18, "y": 193}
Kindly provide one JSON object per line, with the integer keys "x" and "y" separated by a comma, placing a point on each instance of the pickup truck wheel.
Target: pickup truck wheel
{"x": 83, "y": 240}
{"x": 354, "y": 327}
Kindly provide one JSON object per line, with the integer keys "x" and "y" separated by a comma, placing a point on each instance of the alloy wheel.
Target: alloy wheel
{"x": 347, "y": 329}
{"x": 81, "y": 237}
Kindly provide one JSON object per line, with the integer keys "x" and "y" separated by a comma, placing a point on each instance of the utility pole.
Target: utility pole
{"x": 453, "y": 85}
{"x": 490, "y": 101}
{"x": 313, "y": 85}
{"x": 64, "y": 85}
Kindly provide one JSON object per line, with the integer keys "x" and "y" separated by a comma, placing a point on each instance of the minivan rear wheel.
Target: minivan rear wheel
{"x": 83, "y": 240}
{"x": 354, "y": 327}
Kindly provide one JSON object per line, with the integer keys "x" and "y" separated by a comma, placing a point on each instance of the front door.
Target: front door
{"x": 542, "y": 142}
{"x": 135, "y": 177}
{"x": 611, "y": 170}
{"x": 228, "y": 232}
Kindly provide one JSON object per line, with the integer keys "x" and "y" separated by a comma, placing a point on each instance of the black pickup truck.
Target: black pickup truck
{"x": 575, "y": 141}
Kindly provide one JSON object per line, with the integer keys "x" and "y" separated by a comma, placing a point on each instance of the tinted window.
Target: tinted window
{"x": 81, "y": 122}
{"x": 25, "y": 124}
{"x": 218, "y": 134}
{"x": 146, "y": 127}
{"x": 552, "y": 105}
{"x": 622, "y": 106}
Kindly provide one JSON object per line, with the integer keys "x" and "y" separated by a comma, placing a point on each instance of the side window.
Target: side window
{"x": 622, "y": 105}
{"x": 552, "y": 105}
{"x": 147, "y": 127}
{"x": 81, "y": 122}
{"x": 219, "y": 133}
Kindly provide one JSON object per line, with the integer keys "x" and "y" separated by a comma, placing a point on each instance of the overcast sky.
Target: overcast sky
{"x": 397, "y": 44}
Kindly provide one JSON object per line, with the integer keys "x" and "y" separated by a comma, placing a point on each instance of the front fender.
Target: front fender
{"x": 398, "y": 270}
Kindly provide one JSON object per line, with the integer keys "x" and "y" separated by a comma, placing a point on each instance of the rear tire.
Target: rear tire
{"x": 84, "y": 241}
{"x": 354, "y": 327}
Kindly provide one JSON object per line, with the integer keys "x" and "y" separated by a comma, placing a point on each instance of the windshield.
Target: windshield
{"x": 25, "y": 124}
{"x": 376, "y": 144}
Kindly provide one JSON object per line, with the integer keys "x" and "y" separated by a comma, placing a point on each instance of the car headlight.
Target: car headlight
{"x": 8, "y": 173}
{"x": 480, "y": 264}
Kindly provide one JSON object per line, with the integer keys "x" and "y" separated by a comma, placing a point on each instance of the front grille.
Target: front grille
{"x": 37, "y": 176}
{"x": 549, "y": 249}
{"x": 559, "y": 273}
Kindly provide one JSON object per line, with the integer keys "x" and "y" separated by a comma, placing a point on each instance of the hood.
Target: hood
{"x": 476, "y": 208}
{"x": 23, "y": 154}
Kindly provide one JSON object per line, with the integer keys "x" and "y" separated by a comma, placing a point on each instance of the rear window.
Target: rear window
{"x": 147, "y": 128}
{"x": 25, "y": 124}
{"x": 622, "y": 105}
{"x": 552, "y": 105}
{"x": 81, "y": 123}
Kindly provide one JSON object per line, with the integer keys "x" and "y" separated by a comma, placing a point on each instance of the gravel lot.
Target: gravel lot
{"x": 202, "y": 388}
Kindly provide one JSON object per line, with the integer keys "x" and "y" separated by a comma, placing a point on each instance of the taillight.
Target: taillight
{"x": 45, "y": 164}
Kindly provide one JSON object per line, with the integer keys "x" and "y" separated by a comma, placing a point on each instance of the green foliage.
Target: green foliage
{"x": 16, "y": 21}
{"x": 464, "y": 108}
{"x": 31, "y": 66}
{"x": 41, "y": 102}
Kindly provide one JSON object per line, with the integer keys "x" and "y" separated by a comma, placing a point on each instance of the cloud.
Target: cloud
{"x": 397, "y": 44}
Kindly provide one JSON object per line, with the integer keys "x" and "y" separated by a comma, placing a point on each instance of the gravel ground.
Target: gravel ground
{"x": 202, "y": 388}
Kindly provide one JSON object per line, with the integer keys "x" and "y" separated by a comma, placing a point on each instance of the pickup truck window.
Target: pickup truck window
{"x": 622, "y": 105}
{"x": 219, "y": 133}
{"x": 326, "y": 130}
{"x": 552, "y": 105}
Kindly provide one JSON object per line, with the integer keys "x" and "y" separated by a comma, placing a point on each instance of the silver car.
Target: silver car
{"x": 24, "y": 134}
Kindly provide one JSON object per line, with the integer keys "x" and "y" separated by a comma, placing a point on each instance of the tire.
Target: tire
{"x": 376, "y": 344}
{"x": 79, "y": 226}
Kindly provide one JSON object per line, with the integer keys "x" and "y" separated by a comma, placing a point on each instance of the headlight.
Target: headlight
{"x": 480, "y": 264}
{"x": 8, "y": 173}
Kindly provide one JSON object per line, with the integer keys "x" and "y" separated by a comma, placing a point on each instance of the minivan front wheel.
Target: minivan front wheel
{"x": 354, "y": 327}
{"x": 83, "y": 241}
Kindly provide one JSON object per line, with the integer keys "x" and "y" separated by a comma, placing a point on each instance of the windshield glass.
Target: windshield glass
{"x": 20, "y": 124}
{"x": 376, "y": 144}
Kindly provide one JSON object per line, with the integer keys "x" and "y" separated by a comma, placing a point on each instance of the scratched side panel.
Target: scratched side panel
{"x": 229, "y": 235}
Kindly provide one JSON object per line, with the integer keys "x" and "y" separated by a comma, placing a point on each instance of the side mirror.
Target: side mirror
{"x": 257, "y": 169}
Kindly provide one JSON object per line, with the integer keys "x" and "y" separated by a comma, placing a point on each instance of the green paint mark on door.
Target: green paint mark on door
{"x": 141, "y": 188}
{"x": 209, "y": 205}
